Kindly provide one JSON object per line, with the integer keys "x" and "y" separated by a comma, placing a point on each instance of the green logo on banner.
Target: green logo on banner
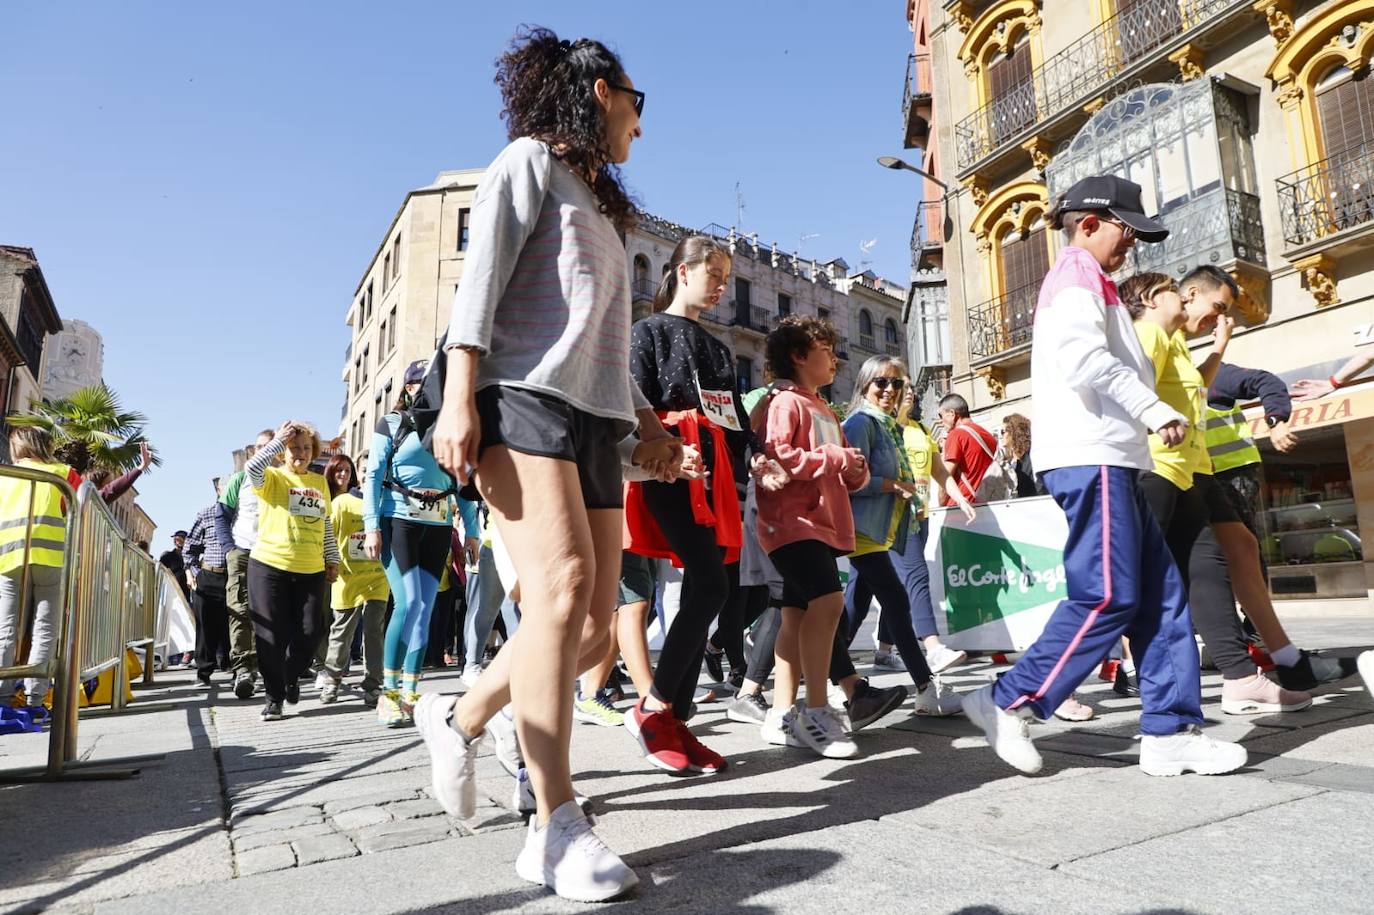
{"x": 988, "y": 578}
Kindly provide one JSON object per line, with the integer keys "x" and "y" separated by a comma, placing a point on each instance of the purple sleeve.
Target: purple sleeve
{"x": 120, "y": 485}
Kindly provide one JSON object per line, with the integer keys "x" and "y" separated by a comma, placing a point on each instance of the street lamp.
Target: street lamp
{"x": 892, "y": 162}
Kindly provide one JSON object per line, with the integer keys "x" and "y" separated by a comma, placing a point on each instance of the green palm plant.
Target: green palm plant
{"x": 91, "y": 430}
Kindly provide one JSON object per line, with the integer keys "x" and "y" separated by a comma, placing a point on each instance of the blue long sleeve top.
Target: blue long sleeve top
{"x": 1234, "y": 383}
{"x": 415, "y": 468}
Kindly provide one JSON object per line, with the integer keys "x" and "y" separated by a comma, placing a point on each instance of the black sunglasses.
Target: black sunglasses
{"x": 639, "y": 96}
{"x": 882, "y": 383}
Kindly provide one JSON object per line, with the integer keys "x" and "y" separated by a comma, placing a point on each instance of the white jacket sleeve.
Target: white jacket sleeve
{"x": 507, "y": 205}
{"x": 1077, "y": 321}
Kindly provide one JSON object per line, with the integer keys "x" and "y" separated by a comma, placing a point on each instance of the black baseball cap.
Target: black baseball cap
{"x": 1119, "y": 197}
{"x": 416, "y": 371}
{"x": 180, "y": 534}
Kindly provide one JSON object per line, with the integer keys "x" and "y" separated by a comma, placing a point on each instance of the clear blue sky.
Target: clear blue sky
{"x": 204, "y": 183}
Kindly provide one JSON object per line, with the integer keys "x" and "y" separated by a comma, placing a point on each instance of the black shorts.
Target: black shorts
{"x": 638, "y": 579}
{"x": 538, "y": 424}
{"x": 808, "y": 571}
{"x": 1220, "y": 508}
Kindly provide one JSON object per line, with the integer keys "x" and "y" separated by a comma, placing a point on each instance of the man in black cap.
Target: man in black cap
{"x": 173, "y": 560}
{"x": 1094, "y": 386}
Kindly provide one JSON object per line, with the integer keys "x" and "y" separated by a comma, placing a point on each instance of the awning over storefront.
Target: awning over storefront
{"x": 1342, "y": 406}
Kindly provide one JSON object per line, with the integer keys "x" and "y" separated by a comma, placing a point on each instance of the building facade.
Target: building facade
{"x": 28, "y": 318}
{"x": 400, "y": 309}
{"x": 1250, "y": 126}
{"x": 76, "y": 359}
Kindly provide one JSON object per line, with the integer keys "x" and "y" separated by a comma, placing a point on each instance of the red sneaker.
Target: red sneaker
{"x": 657, "y": 733}
{"x": 1108, "y": 671}
{"x": 700, "y": 758}
{"x": 1260, "y": 657}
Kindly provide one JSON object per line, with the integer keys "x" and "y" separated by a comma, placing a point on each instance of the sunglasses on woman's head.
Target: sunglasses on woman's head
{"x": 882, "y": 383}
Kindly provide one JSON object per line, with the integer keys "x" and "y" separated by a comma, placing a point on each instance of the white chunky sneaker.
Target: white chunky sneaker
{"x": 502, "y": 729}
{"x": 942, "y": 657}
{"x": 568, "y": 858}
{"x": 1257, "y": 694}
{"x": 1365, "y": 664}
{"x": 822, "y": 730}
{"x": 470, "y": 674}
{"x": 777, "y": 727}
{"x": 1008, "y": 733}
{"x": 937, "y": 699}
{"x": 452, "y": 761}
{"x": 1189, "y": 751}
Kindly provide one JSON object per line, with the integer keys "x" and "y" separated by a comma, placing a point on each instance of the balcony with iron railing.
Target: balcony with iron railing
{"x": 1001, "y": 328}
{"x": 927, "y": 231}
{"x": 643, "y": 289}
{"x": 866, "y": 343}
{"x": 1125, "y": 45}
{"x": 1218, "y": 227}
{"x": 916, "y": 101}
{"x": 1333, "y": 197}
{"x": 892, "y": 347}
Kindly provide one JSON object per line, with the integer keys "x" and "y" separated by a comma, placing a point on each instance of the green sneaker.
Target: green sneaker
{"x": 598, "y": 710}
{"x": 389, "y": 709}
{"x": 408, "y": 701}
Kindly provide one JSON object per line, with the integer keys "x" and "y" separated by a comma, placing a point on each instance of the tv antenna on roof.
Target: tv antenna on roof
{"x": 739, "y": 206}
{"x": 864, "y": 248}
{"x": 804, "y": 238}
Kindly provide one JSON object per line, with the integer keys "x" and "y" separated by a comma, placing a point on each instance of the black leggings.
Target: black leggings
{"x": 1214, "y": 609}
{"x": 705, "y": 589}
{"x": 288, "y": 619}
{"x": 764, "y": 655}
{"x": 876, "y": 573}
{"x": 1182, "y": 514}
{"x": 744, "y": 606}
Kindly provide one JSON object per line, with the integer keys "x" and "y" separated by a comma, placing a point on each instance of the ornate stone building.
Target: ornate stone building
{"x": 1250, "y": 126}
{"x": 76, "y": 359}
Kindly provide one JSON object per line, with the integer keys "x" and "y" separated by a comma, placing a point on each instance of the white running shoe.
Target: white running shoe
{"x": 502, "y": 729}
{"x": 822, "y": 730}
{"x": 470, "y": 674}
{"x": 888, "y": 660}
{"x": 777, "y": 727}
{"x": 524, "y": 803}
{"x": 942, "y": 657}
{"x": 452, "y": 761}
{"x": 937, "y": 699}
{"x": 322, "y": 679}
{"x": 1365, "y": 664}
{"x": 1257, "y": 694}
{"x": 1189, "y": 751}
{"x": 1008, "y": 733}
{"x": 568, "y": 858}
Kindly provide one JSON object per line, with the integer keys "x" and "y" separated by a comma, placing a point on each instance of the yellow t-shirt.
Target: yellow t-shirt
{"x": 292, "y": 509}
{"x": 360, "y": 579}
{"x": 1179, "y": 384}
{"x": 921, "y": 451}
{"x": 864, "y": 545}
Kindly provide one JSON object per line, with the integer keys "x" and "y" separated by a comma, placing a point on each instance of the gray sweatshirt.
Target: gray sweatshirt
{"x": 545, "y": 293}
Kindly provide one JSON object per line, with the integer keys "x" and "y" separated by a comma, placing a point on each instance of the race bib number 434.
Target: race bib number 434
{"x": 305, "y": 502}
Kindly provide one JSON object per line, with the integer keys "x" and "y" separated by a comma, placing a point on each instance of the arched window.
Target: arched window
{"x": 641, "y": 270}
{"x": 1345, "y": 111}
{"x": 890, "y": 331}
{"x": 866, "y": 329}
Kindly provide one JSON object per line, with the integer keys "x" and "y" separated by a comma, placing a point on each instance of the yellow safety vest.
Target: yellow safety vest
{"x": 1228, "y": 439}
{"x": 49, "y": 532}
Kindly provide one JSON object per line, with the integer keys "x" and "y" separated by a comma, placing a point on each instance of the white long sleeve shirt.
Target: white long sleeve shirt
{"x": 1092, "y": 388}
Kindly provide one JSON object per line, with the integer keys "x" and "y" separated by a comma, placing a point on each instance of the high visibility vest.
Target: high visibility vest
{"x": 48, "y": 536}
{"x": 1228, "y": 440}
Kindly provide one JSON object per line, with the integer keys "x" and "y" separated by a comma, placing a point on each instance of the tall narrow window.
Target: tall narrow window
{"x": 391, "y": 338}
{"x": 386, "y": 272}
{"x": 381, "y": 340}
{"x": 744, "y": 367}
{"x": 1345, "y": 106}
{"x": 464, "y": 217}
{"x": 396, "y": 258}
{"x": 367, "y": 306}
{"x": 784, "y": 304}
{"x": 1011, "y": 93}
{"x": 743, "y": 291}
{"x": 890, "y": 332}
{"x": 1025, "y": 261}
{"x": 866, "y": 329}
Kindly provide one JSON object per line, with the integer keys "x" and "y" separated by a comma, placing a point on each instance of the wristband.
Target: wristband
{"x": 1333, "y": 382}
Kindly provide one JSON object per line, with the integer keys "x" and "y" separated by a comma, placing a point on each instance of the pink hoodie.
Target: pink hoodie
{"x": 804, "y": 436}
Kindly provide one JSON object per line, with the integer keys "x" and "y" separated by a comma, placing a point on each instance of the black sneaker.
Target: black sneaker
{"x": 736, "y": 681}
{"x": 203, "y": 678}
{"x": 272, "y": 711}
{"x": 870, "y": 703}
{"x": 713, "y": 665}
{"x": 749, "y": 708}
{"x": 243, "y": 685}
{"x": 1310, "y": 672}
{"x": 293, "y": 692}
{"x": 1125, "y": 684}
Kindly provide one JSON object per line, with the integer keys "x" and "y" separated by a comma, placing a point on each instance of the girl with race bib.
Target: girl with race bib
{"x": 358, "y": 596}
{"x": 291, "y": 563}
{"x": 407, "y": 513}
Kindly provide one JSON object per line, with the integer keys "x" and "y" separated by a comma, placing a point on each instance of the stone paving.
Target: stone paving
{"x": 234, "y": 813}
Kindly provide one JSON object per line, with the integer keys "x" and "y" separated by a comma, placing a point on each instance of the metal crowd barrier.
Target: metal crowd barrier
{"x": 111, "y": 603}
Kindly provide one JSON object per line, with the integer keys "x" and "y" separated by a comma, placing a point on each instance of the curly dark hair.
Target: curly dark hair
{"x": 547, "y": 93}
{"x": 794, "y": 336}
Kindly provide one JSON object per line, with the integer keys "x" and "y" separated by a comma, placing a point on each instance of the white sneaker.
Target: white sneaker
{"x": 470, "y": 674}
{"x": 1189, "y": 751}
{"x": 452, "y": 762}
{"x": 1365, "y": 664}
{"x": 777, "y": 727}
{"x": 568, "y": 858}
{"x": 942, "y": 657}
{"x": 1008, "y": 733}
{"x": 322, "y": 679}
{"x": 525, "y": 804}
{"x": 888, "y": 660}
{"x": 822, "y": 730}
{"x": 937, "y": 699}
{"x": 502, "y": 729}
{"x": 329, "y": 692}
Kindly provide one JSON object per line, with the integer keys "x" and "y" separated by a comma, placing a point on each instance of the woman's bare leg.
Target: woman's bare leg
{"x": 787, "y": 671}
{"x": 1247, "y": 581}
{"x": 634, "y": 645}
{"x": 816, "y": 642}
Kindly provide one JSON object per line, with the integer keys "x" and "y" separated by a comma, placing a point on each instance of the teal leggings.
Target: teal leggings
{"x": 413, "y": 555}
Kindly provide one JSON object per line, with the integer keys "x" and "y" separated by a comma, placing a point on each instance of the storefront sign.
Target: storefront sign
{"x": 996, "y": 581}
{"x": 1333, "y": 409}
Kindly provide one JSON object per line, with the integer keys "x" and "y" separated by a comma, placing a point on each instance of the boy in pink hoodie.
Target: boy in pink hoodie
{"x": 804, "y": 526}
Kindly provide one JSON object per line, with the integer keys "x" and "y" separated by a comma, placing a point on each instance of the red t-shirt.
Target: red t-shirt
{"x": 973, "y": 462}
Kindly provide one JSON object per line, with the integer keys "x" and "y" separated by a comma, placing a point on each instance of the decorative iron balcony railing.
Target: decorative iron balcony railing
{"x": 1074, "y": 75}
{"x": 1213, "y": 228}
{"x": 1003, "y": 323}
{"x": 1329, "y": 196}
{"x": 916, "y": 100}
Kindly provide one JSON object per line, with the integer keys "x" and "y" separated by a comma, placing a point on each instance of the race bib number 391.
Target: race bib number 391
{"x": 305, "y": 502}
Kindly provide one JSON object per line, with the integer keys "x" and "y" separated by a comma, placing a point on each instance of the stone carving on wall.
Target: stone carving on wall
{"x": 1319, "y": 276}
